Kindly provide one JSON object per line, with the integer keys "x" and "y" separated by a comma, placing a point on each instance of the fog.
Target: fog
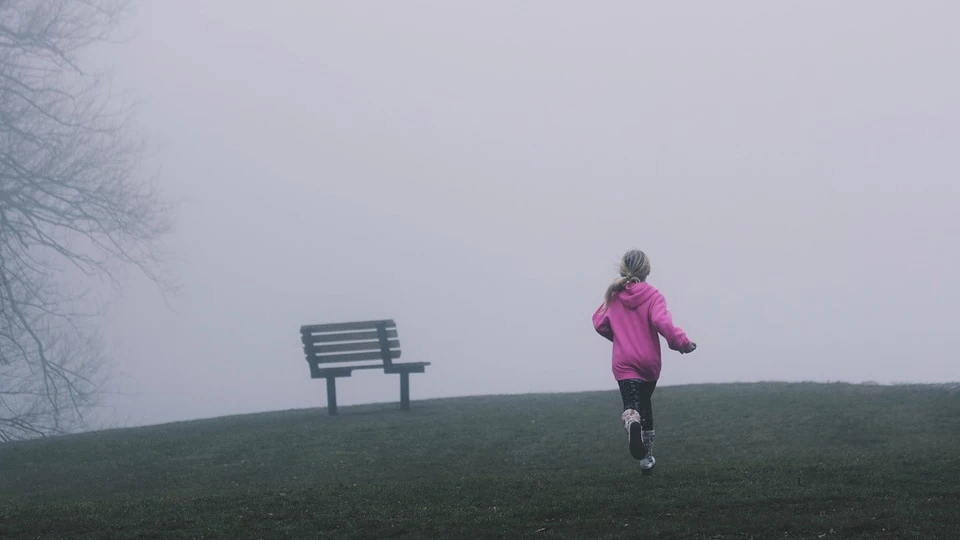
{"x": 475, "y": 172}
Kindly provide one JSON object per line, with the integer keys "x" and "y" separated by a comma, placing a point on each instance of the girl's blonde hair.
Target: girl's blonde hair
{"x": 634, "y": 268}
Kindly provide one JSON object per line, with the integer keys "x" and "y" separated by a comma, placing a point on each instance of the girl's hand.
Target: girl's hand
{"x": 689, "y": 348}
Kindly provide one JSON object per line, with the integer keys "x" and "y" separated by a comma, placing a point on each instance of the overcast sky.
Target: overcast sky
{"x": 475, "y": 170}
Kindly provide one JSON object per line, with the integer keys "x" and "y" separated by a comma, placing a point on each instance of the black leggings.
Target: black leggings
{"x": 636, "y": 395}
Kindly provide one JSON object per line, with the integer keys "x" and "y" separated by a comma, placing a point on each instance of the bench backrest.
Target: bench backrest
{"x": 350, "y": 342}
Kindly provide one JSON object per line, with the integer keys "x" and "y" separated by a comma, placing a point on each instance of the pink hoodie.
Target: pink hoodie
{"x": 634, "y": 321}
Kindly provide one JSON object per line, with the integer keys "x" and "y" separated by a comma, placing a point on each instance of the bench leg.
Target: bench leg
{"x": 332, "y": 395}
{"x": 404, "y": 391}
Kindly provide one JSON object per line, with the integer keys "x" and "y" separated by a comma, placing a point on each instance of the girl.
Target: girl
{"x": 633, "y": 316}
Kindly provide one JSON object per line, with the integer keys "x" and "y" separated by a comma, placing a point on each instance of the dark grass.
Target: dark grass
{"x": 733, "y": 461}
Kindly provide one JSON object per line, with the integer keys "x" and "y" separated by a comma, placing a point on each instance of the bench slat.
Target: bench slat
{"x": 341, "y": 371}
{"x": 355, "y": 357}
{"x": 346, "y": 336}
{"x": 340, "y": 327}
{"x": 347, "y": 371}
{"x": 347, "y": 347}
{"x": 412, "y": 367}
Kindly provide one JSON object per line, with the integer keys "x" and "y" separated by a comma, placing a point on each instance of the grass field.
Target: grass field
{"x": 734, "y": 461}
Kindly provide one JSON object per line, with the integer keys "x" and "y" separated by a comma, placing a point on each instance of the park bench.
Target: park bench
{"x": 336, "y": 350}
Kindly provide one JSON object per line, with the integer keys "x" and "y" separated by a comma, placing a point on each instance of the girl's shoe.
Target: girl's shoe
{"x": 647, "y": 464}
{"x": 637, "y": 448}
{"x": 647, "y": 461}
{"x": 631, "y": 423}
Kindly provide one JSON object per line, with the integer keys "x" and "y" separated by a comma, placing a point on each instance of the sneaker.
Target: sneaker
{"x": 647, "y": 464}
{"x": 647, "y": 461}
{"x": 637, "y": 449}
{"x": 631, "y": 423}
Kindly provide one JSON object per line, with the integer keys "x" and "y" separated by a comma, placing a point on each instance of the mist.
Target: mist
{"x": 474, "y": 172}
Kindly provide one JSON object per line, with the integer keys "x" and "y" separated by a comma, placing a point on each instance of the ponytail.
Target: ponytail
{"x": 618, "y": 285}
{"x": 634, "y": 268}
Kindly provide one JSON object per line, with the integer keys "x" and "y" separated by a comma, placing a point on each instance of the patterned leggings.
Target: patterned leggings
{"x": 636, "y": 395}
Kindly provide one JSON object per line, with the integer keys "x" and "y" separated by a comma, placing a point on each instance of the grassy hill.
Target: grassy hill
{"x": 734, "y": 461}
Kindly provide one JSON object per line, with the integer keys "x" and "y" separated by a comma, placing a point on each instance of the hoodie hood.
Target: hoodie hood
{"x": 637, "y": 294}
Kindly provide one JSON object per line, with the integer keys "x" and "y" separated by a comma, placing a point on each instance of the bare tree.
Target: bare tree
{"x": 71, "y": 204}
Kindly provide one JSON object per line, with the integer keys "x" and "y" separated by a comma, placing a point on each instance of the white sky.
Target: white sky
{"x": 475, "y": 170}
